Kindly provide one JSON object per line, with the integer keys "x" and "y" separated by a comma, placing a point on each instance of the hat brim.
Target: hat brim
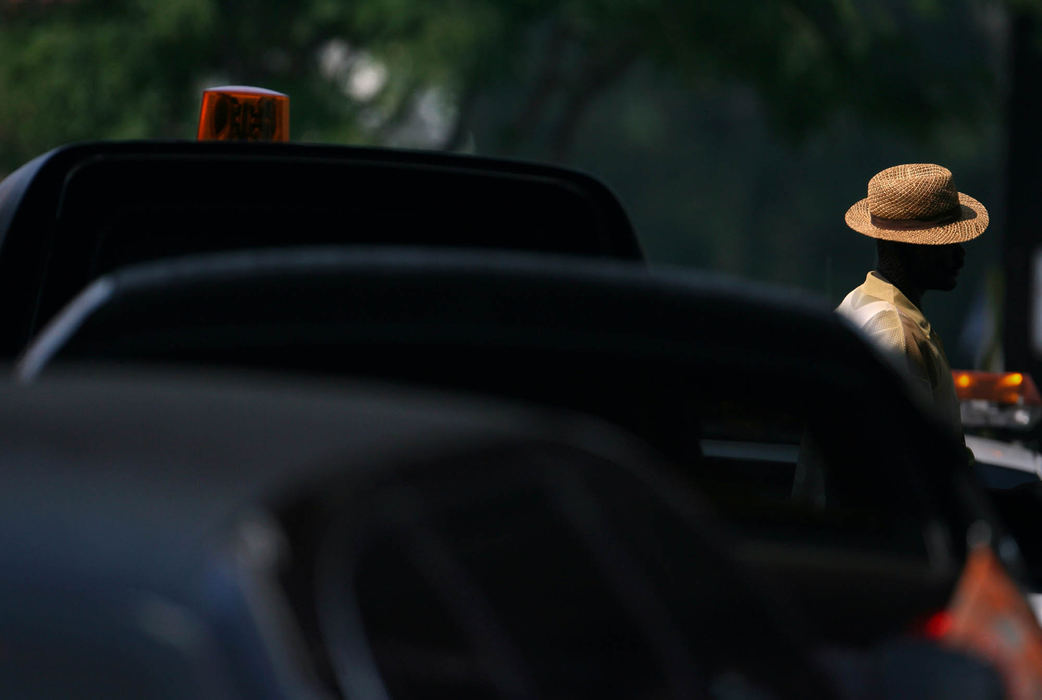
{"x": 971, "y": 222}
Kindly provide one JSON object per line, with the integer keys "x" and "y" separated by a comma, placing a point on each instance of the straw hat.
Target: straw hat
{"x": 917, "y": 203}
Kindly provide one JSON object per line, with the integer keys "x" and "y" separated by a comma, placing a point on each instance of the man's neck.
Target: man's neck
{"x": 895, "y": 277}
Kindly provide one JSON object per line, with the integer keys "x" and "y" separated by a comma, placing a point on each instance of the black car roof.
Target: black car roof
{"x": 527, "y": 295}
{"x": 84, "y": 209}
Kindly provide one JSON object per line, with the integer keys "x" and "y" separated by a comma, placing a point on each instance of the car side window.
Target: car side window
{"x": 786, "y": 462}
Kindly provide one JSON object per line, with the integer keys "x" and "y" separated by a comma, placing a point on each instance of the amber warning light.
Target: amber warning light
{"x": 997, "y": 399}
{"x": 243, "y": 113}
{"x": 999, "y": 387}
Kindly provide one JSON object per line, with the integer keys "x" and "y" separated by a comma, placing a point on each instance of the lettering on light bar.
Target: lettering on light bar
{"x": 243, "y": 113}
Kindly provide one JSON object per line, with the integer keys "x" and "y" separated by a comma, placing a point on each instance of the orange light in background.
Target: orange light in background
{"x": 999, "y": 387}
{"x": 243, "y": 113}
{"x": 1012, "y": 379}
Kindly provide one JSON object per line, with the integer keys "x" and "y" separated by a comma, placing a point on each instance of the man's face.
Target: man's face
{"x": 937, "y": 266}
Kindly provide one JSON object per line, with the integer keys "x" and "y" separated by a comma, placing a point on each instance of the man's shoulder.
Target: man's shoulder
{"x": 860, "y": 306}
{"x": 880, "y": 319}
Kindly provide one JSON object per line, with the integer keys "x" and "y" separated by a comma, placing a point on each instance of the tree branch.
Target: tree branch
{"x": 601, "y": 72}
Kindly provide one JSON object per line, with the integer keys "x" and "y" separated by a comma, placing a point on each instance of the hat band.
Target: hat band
{"x": 915, "y": 224}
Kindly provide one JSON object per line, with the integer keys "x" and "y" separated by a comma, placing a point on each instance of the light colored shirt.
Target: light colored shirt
{"x": 897, "y": 327}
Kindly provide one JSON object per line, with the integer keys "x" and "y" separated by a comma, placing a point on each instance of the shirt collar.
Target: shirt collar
{"x": 878, "y": 287}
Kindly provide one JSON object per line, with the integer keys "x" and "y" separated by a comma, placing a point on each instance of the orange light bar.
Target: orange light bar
{"x": 999, "y": 387}
{"x": 243, "y": 113}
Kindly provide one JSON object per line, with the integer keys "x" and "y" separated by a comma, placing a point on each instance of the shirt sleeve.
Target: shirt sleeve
{"x": 899, "y": 338}
{"x": 921, "y": 363}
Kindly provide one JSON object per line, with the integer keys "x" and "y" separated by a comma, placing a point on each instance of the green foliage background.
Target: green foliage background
{"x": 736, "y": 133}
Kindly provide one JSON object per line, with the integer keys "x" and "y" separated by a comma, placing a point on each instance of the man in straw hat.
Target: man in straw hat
{"x": 919, "y": 221}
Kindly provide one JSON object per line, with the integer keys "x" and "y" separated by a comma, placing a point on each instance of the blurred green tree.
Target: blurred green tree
{"x": 360, "y": 71}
